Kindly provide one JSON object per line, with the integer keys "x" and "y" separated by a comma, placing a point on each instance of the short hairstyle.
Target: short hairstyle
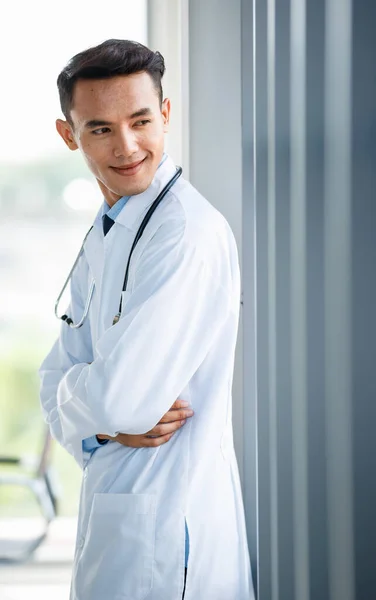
{"x": 109, "y": 59}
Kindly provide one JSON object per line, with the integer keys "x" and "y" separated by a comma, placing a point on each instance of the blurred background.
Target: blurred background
{"x": 48, "y": 200}
{"x": 273, "y": 120}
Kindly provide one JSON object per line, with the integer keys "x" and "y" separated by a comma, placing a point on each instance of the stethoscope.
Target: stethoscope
{"x": 139, "y": 233}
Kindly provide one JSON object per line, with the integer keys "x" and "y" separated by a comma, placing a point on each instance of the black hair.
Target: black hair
{"x": 109, "y": 59}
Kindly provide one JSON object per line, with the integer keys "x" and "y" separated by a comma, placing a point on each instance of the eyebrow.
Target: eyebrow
{"x": 143, "y": 112}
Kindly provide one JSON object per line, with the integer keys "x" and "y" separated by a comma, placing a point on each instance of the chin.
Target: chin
{"x": 134, "y": 190}
{"x": 135, "y": 187}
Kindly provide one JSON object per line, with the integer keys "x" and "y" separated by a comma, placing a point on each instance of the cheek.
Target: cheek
{"x": 95, "y": 154}
{"x": 154, "y": 136}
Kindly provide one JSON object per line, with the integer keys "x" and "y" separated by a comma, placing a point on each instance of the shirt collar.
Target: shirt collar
{"x": 113, "y": 211}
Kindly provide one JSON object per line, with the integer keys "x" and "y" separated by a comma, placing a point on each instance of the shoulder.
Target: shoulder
{"x": 204, "y": 226}
{"x": 190, "y": 226}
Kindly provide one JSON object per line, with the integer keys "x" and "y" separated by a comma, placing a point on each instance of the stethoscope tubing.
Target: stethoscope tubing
{"x": 89, "y": 297}
{"x": 139, "y": 233}
{"x": 141, "y": 230}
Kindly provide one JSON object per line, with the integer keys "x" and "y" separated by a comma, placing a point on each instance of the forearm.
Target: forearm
{"x": 81, "y": 402}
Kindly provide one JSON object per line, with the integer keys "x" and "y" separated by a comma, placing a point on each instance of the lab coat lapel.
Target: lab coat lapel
{"x": 117, "y": 246}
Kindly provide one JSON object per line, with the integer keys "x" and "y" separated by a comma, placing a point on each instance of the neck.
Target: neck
{"x": 109, "y": 196}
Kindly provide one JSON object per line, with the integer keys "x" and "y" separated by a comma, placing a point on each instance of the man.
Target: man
{"x": 161, "y": 511}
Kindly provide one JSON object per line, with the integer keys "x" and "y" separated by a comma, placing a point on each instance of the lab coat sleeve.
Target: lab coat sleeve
{"x": 72, "y": 347}
{"x": 179, "y": 301}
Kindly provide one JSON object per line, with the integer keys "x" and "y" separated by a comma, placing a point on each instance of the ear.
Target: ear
{"x": 165, "y": 110}
{"x": 65, "y": 131}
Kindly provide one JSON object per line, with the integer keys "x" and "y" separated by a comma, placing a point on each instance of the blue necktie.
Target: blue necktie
{"x": 107, "y": 224}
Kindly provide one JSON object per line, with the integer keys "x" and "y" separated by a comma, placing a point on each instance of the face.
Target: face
{"x": 119, "y": 126}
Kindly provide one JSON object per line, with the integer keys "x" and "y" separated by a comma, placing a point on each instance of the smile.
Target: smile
{"x": 128, "y": 171}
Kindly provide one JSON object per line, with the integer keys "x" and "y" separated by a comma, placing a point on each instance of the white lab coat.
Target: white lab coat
{"x": 175, "y": 339}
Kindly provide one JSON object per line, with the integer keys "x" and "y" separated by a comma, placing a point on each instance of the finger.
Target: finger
{"x": 158, "y": 441}
{"x": 179, "y": 404}
{"x": 177, "y": 415}
{"x": 165, "y": 428}
{"x": 132, "y": 441}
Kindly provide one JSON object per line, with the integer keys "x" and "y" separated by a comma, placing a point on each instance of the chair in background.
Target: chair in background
{"x": 39, "y": 479}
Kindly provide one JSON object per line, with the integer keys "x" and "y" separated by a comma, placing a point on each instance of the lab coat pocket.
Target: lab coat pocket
{"x": 118, "y": 553}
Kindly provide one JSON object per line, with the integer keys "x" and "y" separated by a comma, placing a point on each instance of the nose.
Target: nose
{"x": 125, "y": 143}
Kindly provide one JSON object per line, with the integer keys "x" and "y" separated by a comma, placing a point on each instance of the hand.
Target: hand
{"x": 169, "y": 424}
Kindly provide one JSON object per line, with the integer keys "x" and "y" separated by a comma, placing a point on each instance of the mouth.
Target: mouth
{"x": 129, "y": 170}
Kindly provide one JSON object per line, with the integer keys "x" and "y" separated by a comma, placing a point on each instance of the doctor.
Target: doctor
{"x": 161, "y": 513}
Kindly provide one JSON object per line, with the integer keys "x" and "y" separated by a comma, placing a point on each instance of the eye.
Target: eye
{"x": 100, "y": 131}
{"x": 143, "y": 122}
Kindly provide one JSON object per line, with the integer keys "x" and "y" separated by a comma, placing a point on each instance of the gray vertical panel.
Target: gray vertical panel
{"x": 263, "y": 456}
{"x": 298, "y": 298}
{"x": 283, "y": 321}
{"x": 272, "y": 301}
{"x": 338, "y": 297}
{"x": 249, "y": 280}
{"x": 215, "y": 133}
{"x": 315, "y": 300}
{"x": 327, "y": 369}
{"x": 164, "y": 34}
{"x": 364, "y": 294}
